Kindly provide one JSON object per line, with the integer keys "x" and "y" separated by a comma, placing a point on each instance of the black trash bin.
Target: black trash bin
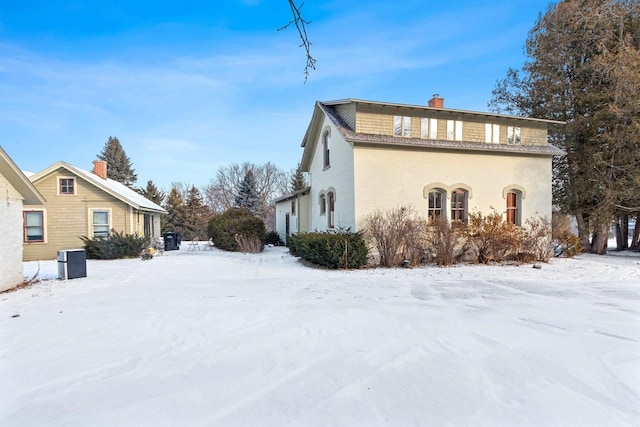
{"x": 172, "y": 241}
{"x": 72, "y": 264}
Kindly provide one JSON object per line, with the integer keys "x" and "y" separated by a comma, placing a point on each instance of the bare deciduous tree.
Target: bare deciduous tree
{"x": 222, "y": 190}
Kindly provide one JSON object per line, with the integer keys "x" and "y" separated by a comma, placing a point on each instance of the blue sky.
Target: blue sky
{"x": 188, "y": 87}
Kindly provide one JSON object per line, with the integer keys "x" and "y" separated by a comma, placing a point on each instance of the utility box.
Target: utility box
{"x": 172, "y": 241}
{"x": 72, "y": 264}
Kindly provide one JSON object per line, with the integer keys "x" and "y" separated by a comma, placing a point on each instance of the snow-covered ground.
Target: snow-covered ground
{"x": 224, "y": 339}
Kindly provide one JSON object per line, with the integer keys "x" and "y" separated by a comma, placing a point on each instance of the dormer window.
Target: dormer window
{"x": 513, "y": 135}
{"x": 401, "y": 126}
{"x": 66, "y": 186}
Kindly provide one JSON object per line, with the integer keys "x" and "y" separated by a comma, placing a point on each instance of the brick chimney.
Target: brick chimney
{"x": 100, "y": 168}
{"x": 436, "y": 101}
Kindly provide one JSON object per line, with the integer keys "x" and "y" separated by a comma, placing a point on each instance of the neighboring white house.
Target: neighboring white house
{"x": 16, "y": 190}
{"x": 368, "y": 155}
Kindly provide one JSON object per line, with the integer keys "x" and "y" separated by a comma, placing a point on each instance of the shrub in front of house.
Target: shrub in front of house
{"x": 490, "y": 239}
{"x": 237, "y": 230}
{"x": 115, "y": 246}
{"x": 444, "y": 242}
{"x": 565, "y": 242}
{"x": 273, "y": 238}
{"x": 331, "y": 249}
{"x": 398, "y": 235}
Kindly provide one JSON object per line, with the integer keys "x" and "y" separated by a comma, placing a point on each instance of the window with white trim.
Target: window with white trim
{"x": 491, "y": 133}
{"x": 402, "y": 126}
{"x": 514, "y": 201}
{"x": 428, "y": 128}
{"x": 454, "y": 130}
{"x": 100, "y": 223}
{"x": 33, "y": 226}
{"x": 66, "y": 186}
{"x": 331, "y": 202}
{"x": 326, "y": 140}
{"x": 513, "y": 135}
{"x": 323, "y": 204}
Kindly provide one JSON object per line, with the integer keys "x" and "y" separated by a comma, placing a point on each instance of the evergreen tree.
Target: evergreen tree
{"x": 298, "y": 180}
{"x": 118, "y": 164}
{"x": 583, "y": 64}
{"x": 247, "y": 196}
{"x": 175, "y": 219}
{"x": 196, "y": 215}
{"x": 152, "y": 193}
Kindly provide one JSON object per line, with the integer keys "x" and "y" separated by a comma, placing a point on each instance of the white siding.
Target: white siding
{"x": 11, "y": 232}
{"x": 339, "y": 177}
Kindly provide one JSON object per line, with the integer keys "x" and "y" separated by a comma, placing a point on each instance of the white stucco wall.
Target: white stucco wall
{"x": 339, "y": 177}
{"x": 11, "y": 232}
{"x": 282, "y": 209}
{"x": 387, "y": 178}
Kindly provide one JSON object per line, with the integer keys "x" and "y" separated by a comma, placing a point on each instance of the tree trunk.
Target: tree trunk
{"x": 599, "y": 241}
{"x": 583, "y": 231}
{"x": 635, "y": 245}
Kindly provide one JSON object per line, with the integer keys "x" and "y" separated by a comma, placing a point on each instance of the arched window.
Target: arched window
{"x": 331, "y": 200}
{"x": 323, "y": 204}
{"x": 326, "y": 140}
{"x": 514, "y": 200}
{"x": 458, "y": 205}
{"x": 435, "y": 208}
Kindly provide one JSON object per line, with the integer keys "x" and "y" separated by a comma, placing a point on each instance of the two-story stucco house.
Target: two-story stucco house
{"x": 368, "y": 155}
{"x": 81, "y": 203}
{"x": 15, "y": 190}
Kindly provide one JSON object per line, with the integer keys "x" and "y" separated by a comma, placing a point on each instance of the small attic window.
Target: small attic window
{"x": 66, "y": 186}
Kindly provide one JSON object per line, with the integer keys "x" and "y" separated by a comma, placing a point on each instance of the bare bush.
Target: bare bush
{"x": 537, "y": 239}
{"x": 490, "y": 238}
{"x": 567, "y": 243}
{"x": 248, "y": 244}
{"x": 415, "y": 240}
{"x": 442, "y": 239}
{"x": 395, "y": 233}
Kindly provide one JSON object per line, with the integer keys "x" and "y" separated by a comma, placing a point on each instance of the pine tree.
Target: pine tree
{"x": 196, "y": 215}
{"x": 118, "y": 164}
{"x": 582, "y": 69}
{"x": 298, "y": 180}
{"x": 175, "y": 219}
{"x": 152, "y": 193}
{"x": 247, "y": 196}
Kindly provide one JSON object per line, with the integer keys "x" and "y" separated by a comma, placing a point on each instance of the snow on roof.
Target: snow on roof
{"x": 112, "y": 187}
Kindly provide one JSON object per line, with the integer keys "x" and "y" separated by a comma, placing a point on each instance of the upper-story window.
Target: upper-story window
{"x": 66, "y": 186}
{"x": 454, "y": 130}
{"x": 293, "y": 207}
{"x": 428, "y": 128}
{"x": 401, "y": 126}
{"x": 513, "y": 135}
{"x": 326, "y": 142}
{"x": 491, "y": 133}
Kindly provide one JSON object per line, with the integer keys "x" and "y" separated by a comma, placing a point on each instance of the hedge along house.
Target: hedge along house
{"x": 81, "y": 203}
{"x": 368, "y": 155}
{"x": 16, "y": 190}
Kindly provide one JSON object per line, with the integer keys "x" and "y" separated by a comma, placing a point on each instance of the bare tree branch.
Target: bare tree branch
{"x": 301, "y": 25}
